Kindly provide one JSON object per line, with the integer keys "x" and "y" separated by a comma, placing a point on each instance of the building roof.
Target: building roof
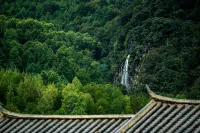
{"x": 18, "y": 123}
{"x": 161, "y": 114}
{"x": 165, "y": 115}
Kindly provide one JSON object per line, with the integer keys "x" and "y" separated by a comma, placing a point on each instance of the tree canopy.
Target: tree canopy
{"x": 66, "y": 57}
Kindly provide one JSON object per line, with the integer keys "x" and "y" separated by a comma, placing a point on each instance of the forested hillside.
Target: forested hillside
{"x": 65, "y": 57}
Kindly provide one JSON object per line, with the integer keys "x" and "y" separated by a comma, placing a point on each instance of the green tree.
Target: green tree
{"x": 47, "y": 103}
{"x": 29, "y": 91}
{"x": 15, "y": 55}
{"x": 74, "y": 101}
{"x": 9, "y": 81}
{"x": 50, "y": 76}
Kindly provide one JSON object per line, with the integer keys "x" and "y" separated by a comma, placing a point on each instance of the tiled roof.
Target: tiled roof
{"x": 20, "y": 123}
{"x": 165, "y": 115}
{"x": 160, "y": 115}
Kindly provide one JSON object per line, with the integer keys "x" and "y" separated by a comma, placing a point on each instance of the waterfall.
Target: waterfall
{"x": 125, "y": 77}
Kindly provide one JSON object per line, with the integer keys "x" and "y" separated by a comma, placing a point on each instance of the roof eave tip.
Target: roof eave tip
{"x": 151, "y": 93}
{"x": 154, "y": 96}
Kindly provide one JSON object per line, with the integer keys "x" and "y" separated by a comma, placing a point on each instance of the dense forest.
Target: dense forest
{"x": 66, "y": 57}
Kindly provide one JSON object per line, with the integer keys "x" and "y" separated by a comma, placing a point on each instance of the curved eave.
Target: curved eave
{"x": 6, "y": 113}
{"x": 171, "y": 100}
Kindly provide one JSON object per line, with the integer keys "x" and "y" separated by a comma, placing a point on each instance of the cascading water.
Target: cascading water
{"x": 125, "y": 77}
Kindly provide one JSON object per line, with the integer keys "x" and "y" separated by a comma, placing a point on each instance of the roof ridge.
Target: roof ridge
{"x": 168, "y": 99}
{"x": 7, "y": 113}
{"x": 135, "y": 118}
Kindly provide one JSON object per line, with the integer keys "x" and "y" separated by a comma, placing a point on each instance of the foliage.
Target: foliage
{"x": 36, "y": 47}
{"x": 27, "y": 93}
{"x": 65, "y": 54}
{"x": 108, "y": 99}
